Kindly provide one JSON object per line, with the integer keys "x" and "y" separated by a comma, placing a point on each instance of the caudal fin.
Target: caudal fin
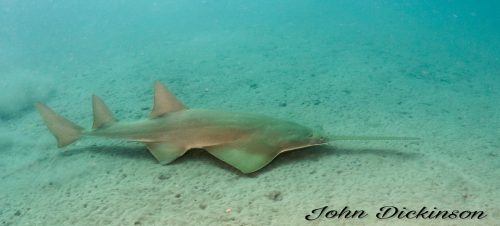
{"x": 65, "y": 131}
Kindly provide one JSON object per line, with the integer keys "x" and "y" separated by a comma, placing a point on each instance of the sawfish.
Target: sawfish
{"x": 248, "y": 142}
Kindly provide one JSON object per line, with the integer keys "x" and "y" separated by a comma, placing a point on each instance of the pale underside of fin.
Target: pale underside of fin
{"x": 164, "y": 152}
{"x": 247, "y": 158}
{"x": 102, "y": 115}
{"x": 164, "y": 101}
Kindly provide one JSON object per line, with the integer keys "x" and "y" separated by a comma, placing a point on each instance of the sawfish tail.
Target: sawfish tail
{"x": 336, "y": 138}
{"x": 65, "y": 131}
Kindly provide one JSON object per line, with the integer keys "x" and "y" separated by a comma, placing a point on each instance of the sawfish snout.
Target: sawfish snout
{"x": 300, "y": 137}
{"x": 317, "y": 139}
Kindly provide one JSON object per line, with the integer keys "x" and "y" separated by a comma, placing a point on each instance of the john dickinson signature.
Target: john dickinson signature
{"x": 393, "y": 212}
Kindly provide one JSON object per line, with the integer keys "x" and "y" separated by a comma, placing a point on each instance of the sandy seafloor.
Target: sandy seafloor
{"x": 387, "y": 73}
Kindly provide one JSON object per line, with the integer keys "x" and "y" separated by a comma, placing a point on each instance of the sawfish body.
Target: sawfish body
{"x": 245, "y": 141}
{"x": 196, "y": 128}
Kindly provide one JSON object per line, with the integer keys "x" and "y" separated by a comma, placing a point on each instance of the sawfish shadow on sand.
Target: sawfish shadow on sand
{"x": 134, "y": 152}
{"x": 200, "y": 156}
{"x": 321, "y": 152}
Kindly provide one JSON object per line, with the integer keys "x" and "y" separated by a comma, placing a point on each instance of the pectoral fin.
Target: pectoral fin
{"x": 164, "y": 152}
{"x": 246, "y": 158}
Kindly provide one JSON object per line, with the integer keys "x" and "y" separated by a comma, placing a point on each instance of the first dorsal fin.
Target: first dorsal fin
{"x": 102, "y": 115}
{"x": 164, "y": 102}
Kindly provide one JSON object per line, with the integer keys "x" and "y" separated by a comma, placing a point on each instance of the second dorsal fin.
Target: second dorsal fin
{"x": 164, "y": 101}
{"x": 102, "y": 115}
